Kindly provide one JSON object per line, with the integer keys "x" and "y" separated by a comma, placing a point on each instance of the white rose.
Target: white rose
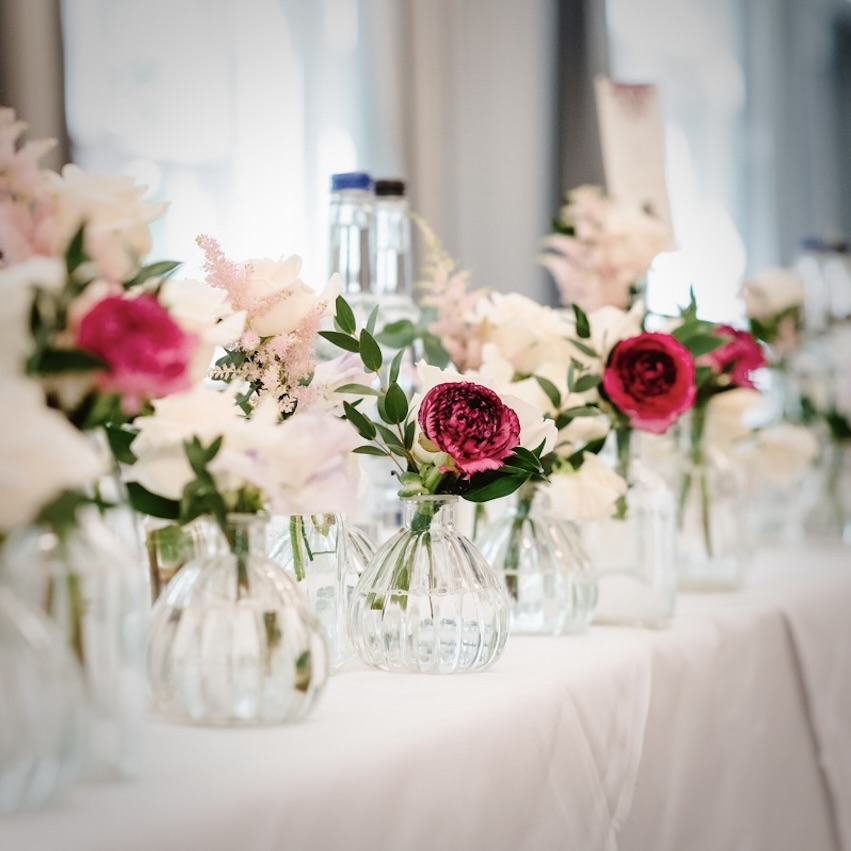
{"x": 782, "y": 453}
{"x": 730, "y": 415}
{"x": 41, "y": 454}
{"x": 772, "y": 291}
{"x": 609, "y": 325}
{"x": 203, "y": 412}
{"x": 589, "y": 493}
{"x": 17, "y": 284}
{"x": 527, "y": 334}
{"x": 288, "y": 300}
{"x": 117, "y": 235}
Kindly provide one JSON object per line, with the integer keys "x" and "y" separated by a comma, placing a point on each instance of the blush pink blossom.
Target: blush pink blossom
{"x": 147, "y": 353}
{"x": 650, "y": 378}
{"x": 738, "y": 357}
{"x": 471, "y": 424}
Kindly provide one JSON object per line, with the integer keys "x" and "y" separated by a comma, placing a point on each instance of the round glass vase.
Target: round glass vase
{"x": 42, "y": 708}
{"x": 634, "y": 550}
{"x": 428, "y": 602}
{"x": 326, "y": 556}
{"x": 829, "y": 518}
{"x": 233, "y": 640}
{"x": 713, "y": 528}
{"x": 95, "y": 590}
{"x": 548, "y": 577}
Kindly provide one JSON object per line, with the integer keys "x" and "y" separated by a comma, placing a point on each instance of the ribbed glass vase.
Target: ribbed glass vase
{"x": 548, "y": 577}
{"x": 428, "y": 602}
{"x": 95, "y": 589}
{"x": 634, "y": 551}
{"x": 42, "y": 708}
{"x": 326, "y": 556}
{"x": 233, "y": 639}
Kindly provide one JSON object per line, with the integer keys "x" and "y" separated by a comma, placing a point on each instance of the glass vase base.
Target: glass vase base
{"x": 549, "y": 603}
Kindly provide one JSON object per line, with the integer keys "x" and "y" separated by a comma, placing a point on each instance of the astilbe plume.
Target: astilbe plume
{"x": 278, "y": 366}
{"x": 446, "y": 289}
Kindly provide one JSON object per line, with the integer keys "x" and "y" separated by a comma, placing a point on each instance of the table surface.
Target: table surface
{"x": 729, "y": 730}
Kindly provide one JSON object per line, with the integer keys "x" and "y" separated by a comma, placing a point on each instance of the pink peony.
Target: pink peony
{"x": 147, "y": 353}
{"x": 739, "y": 357}
{"x": 650, "y": 378}
{"x": 471, "y": 424}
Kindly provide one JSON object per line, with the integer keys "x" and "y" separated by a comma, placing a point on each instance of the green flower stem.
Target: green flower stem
{"x": 300, "y": 541}
{"x": 623, "y": 439}
{"x": 696, "y": 467}
{"x": 525, "y": 497}
{"x": 240, "y": 544}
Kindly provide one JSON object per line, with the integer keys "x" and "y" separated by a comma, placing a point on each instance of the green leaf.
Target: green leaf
{"x": 370, "y": 351}
{"x": 568, "y": 416}
{"x": 396, "y": 365}
{"x": 703, "y": 344}
{"x": 396, "y": 404}
{"x": 119, "y": 444}
{"x": 693, "y": 328}
{"x": 160, "y": 269}
{"x": 371, "y": 320}
{"x": 586, "y": 350}
{"x": 495, "y": 489}
{"x": 364, "y": 426}
{"x": 58, "y": 361}
{"x": 360, "y": 389}
{"x": 75, "y": 255}
{"x": 586, "y": 382}
{"x": 703, "y": 375}
{"x": 583, "y": 328}
{"x": 434, "y": 352}
{"x": 398, "y": 335}
{"x": 390, "y": 437}
{"x": 550, "y": 389}
{"x": 410, "y": 428}
{"x": 341, "y": 341}
{"x": 371, "y": 450}
{"x": 152, "y": 504}
{"x": 345, "y": 316}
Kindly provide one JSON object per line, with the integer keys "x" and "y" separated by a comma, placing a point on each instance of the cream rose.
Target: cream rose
{"x": 771, "y": 292}
{"x": 589, "y": 493}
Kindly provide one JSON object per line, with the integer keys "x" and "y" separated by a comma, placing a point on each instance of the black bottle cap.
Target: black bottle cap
{"x": 386, "y": 186}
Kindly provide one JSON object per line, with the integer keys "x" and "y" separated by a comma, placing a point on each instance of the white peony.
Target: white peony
{"x": 117, "y": 235}
{"x": 589, "y": 493}
{"x": 288, "y": 299}
{"x": 17, "y": 285}
{"x": 772, "y": 291}
{"x": 782, "y": 453}
{"x": 41, "y": 454}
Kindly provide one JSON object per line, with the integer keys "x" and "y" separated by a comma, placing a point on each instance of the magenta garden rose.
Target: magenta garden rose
{"x": 737, "y": 358}
{"x": 471, "y": 424}
{"x": 147, "y": 353}
{"x": 650, "y": 378}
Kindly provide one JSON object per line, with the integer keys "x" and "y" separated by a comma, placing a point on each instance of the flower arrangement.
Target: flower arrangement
{"x": 774, "y": 302}
{"x": 600, "y": 249}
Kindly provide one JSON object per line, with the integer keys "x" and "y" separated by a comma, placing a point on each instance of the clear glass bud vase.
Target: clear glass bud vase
{"x": 549, "y": 580}
{"x": 428, "y": 602}
{"x": 634, "y": 551}
{"x": 713, "y": 531}
{"x": 42, "y": 708}
{"x": 96, "y": 591}
{"x": 233, "y": 639}
{"x": 326, "y": 556}
{"x": 829, "y": 518}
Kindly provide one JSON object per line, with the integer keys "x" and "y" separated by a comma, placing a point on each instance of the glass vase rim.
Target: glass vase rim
{"x": 432, "y": 497}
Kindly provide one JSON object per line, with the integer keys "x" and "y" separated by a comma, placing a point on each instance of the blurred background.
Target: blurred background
{"x": 238, "y": 111}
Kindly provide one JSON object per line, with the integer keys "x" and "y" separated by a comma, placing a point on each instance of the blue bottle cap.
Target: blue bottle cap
{"x": 350, "y": 180}
{"x": 812, "y": 243}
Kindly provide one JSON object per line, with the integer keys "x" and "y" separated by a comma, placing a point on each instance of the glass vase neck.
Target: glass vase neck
{"x": 432, "y": 511}
{"x": 246, "y": 533}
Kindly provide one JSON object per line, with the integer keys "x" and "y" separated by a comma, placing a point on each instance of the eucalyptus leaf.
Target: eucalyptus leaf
{"x": 370, "y": 351}
{"x": 364, "y": 426}
{"x": 341, "y": 341}
{"x": 396, "y": 404}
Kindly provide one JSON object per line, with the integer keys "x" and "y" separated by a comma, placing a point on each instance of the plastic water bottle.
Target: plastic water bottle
{"x": 351, "y": 226}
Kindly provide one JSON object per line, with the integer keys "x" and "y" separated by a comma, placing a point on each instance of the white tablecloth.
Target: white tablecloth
{"x": 730, "y": 730}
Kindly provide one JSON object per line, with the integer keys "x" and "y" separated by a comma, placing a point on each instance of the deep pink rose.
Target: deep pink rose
{"x": 471, "y": 424}
{"x": 651, "y": 379}
{"x": 739, "y": 357}
{"x": 147, "y": 352}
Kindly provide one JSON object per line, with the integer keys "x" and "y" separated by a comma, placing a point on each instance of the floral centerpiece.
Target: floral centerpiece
{"x": 428, "y": 601}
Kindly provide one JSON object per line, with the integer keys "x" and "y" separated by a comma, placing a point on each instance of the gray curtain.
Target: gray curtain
{"x": 31, "y": 70}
